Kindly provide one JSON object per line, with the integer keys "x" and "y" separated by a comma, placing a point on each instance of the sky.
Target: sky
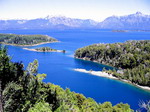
{"x": 84, "y": 9}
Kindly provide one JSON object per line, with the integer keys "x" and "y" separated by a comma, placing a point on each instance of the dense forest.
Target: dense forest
{"x": 23, "y": 90}
{"x": 132, "y": 59}
{"x": 25, "y": 39}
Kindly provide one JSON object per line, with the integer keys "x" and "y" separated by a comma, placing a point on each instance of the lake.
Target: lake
{"x": 59, "y": 66}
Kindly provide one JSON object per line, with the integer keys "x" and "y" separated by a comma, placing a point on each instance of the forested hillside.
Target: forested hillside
{"x": 25, "y": 39}
{"x": 22, "y": 90}
{"x": 131, "y": 57}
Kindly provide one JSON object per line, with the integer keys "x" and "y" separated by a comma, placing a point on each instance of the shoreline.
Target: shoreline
{"x": 86, "y": 59}
{"x": 110, "y": 76}
{"x": 28, "y": 45}
{"x": 41, "y": 51}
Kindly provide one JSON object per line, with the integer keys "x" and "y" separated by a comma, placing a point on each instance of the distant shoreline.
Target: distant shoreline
{"x": 106, "y": 75}
{"x": 28, "y": 45}
{"x": 130, "y": 30}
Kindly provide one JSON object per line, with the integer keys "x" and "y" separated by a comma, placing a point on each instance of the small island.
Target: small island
{"x": 45, "y": 49}
{"x": 119, "y": 30}
{"x": 25, "y": 40}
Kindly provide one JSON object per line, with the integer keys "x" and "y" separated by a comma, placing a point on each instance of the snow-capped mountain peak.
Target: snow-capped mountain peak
{"x": 132, "y": 21}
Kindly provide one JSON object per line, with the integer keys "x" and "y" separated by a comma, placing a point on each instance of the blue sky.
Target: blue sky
{"x": 84, "y": 9}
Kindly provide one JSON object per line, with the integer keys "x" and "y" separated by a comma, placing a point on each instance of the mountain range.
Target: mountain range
{"x": 137, "y": 21}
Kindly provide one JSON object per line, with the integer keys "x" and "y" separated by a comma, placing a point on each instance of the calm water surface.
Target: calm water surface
{"x": 59, "y": 66}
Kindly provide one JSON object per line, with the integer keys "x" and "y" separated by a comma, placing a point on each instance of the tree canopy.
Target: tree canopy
{"x": 23, "y": 90}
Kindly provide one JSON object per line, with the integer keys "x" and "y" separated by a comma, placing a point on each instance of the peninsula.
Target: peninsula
{"x": 132, "y": 59}
{"x": 25, "y": 40}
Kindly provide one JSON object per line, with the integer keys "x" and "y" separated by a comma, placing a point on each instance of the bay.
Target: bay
{"x": 59, "y": 66}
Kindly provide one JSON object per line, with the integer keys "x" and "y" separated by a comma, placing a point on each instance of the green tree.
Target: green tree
{"x": 40, "y": 107}
{"x": 8, "y": 72}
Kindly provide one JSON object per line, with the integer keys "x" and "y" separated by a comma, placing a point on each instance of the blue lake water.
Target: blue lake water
{"x": 59, "y": 66}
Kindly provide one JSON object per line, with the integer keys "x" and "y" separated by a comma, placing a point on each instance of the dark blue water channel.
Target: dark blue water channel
{"x": 59, "y": 66}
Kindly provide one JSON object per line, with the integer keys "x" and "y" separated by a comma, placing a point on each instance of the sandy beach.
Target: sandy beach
{"x": 104, "y": 74}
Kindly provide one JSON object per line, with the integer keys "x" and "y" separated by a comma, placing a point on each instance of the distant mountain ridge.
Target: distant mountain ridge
{"x": 48, "y": 23}
{"x": 137, "y": 21}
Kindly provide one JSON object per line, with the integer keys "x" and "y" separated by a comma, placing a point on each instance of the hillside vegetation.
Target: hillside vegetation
{"x": 22, "y": 90}
{"x": 131, "y": 57}
{"x": 25, "y": 39}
